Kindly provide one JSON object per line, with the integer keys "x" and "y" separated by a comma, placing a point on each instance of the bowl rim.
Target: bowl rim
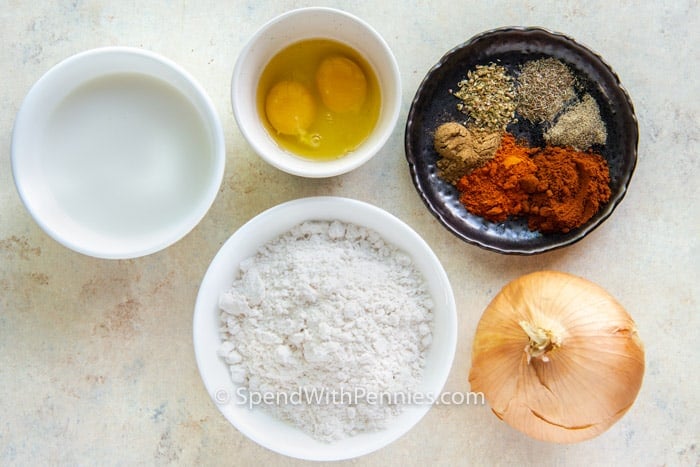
{"x": 221, "y": 270}
{"x": 318, "y": 169}
{"x": 22, "y": 128}
{"x": 605, "y": 212}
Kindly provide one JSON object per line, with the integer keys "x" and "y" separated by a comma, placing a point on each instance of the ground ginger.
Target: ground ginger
{"x": 462, "y": 149}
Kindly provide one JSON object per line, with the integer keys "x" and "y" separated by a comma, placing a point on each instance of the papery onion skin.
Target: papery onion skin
{"x": 588, "y": 381}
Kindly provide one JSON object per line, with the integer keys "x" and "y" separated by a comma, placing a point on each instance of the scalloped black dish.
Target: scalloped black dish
{"x": 433, "y": 104}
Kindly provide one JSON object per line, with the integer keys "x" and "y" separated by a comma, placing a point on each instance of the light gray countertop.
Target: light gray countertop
{"x": 96, "y": 357}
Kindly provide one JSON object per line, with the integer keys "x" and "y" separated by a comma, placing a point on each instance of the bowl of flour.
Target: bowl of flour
{"x": 324, "y": 328}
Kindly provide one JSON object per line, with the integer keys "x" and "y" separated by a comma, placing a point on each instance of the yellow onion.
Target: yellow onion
{"x": 557, "y": 357}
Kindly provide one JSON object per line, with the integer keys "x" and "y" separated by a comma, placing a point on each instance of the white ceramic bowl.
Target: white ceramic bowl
{"x": 256, "y": 424}
{"x": 294, "y": 26}
{"x": 117, "y": 152}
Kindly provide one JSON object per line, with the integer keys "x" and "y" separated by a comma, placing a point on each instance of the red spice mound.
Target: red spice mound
{"x": 570, "y": 190}
{"x": 558, "y": 189}
{"x": 493, "y": 191}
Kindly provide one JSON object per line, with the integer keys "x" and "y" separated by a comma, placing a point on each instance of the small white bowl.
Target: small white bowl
{"x": 117, "y": 152}
{"x": 295, "y": 26}
{"x": 263, "y": 428}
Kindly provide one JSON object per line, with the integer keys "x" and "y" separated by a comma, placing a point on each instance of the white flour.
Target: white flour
{"x": 327, "y": 308}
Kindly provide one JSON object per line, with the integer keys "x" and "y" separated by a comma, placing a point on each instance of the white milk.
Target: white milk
{"x": 126, "y": 155}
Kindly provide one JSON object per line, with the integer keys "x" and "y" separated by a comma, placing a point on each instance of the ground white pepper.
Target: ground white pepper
{"x": 579, "y": 127}
{"x": 544, "y": 87}
{"x": 488, "y": 96}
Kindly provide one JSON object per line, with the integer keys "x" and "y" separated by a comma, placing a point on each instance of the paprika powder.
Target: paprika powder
{"x": 571, "y": 187}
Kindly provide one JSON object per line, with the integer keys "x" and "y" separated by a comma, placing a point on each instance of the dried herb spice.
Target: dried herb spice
{"x": 543, "y": 89}
{"x": 488, "y": 96}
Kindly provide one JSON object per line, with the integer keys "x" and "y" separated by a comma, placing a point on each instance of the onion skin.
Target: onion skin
{"x": 582, "y": 385}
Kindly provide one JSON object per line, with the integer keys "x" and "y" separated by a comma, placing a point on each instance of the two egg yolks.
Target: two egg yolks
{"x": 341, "y": 84}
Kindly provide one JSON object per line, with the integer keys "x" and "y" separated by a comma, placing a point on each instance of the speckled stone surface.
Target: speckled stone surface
{"x": 96, "y": 358}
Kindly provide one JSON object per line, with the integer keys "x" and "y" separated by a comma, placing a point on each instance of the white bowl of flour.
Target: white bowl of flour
{"x": 324, "y": 328}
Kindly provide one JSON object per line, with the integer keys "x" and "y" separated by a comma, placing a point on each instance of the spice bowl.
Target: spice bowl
{"x": 295, "y": 27}
{"x": 257, "y": 424}
{"x": 435, "y": 103}
{"x": 117, "y": 152}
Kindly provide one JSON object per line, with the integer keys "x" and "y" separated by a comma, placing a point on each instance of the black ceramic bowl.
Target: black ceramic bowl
{"x": 433, "y": 104}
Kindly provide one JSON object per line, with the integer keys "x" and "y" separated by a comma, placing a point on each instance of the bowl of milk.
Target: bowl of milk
{"x": 117, "y": 152}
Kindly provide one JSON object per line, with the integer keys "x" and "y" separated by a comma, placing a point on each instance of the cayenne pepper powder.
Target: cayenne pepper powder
{"x": 493, "y": 190}
{"x": 558, "y": 189}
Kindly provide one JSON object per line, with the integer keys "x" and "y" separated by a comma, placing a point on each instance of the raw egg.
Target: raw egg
{"x": 290, "y": 108}
{"x": 341, "y": 83}
{"x": 319, "y": 99}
